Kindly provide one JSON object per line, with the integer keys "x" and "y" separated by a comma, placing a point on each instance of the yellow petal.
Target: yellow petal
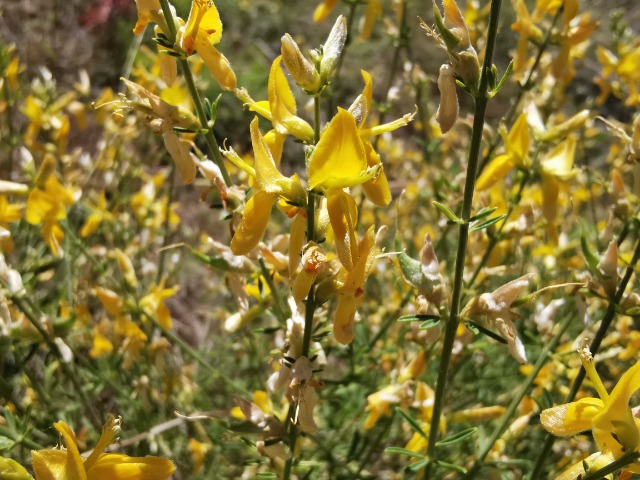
{"x": 255, "y": 218}
{"x": 571, "y": 418}
{"x": 217, "y": 63}
{"x": 496, "y": 170}
{"x": 377, "y": 190}
{"x": 283, "y": 105}
{"x": 109, "y": 431}
{"x": 323, "y": 10}
{"x": 518, "y": 141}
{"x": 268, "y": 176}
{"x": 339, "y": 159}
{"x": 101, "y": 345}
{"x": 90, "y": 225}
{"x": 12, "y": 470}
{"x": 115, "y": 466}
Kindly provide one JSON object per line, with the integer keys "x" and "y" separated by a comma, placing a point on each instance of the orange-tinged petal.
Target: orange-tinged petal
{"x": 496, "y": 170}
{"x": 339, "y": 158}
{"x": 571, "y": 418}
{"x": 255, "y": 218}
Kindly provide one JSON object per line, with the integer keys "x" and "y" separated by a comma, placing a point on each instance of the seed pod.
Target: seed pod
{"x": 448, "y": 110}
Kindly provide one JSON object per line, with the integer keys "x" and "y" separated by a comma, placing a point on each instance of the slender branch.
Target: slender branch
{"x": 474, "y": 151}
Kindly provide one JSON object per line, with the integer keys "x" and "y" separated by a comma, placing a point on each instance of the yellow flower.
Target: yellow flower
{"x": 517, "y": 153}
{"x": 198, "y": 451}
{"x": 269, "y": 185}
{"x": 339, "y": 159}
{"x": 99, "y": 213}
{"x": 557, "y": 167}
{"x": 48, "y": 206}
{"x": 201, "y": 32}
{"x": 614, "y": 428}
{"x": 153, "y": 303}
{"x": 67, "y": 464}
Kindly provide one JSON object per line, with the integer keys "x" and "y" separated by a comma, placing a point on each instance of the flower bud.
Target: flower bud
{"x": 302, "y": 71}
{"x": 333, "y": 47}
{"x": 448, "y": 110}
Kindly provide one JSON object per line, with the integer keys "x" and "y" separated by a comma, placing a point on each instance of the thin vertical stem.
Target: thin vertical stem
{"x": 474, "y": 151}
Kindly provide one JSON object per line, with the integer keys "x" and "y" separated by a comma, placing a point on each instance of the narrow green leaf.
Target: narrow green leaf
{"x": 591, "y": 258}
{"x": 482, "y": 213}
{"x": 403, "y": 451}
{"x": 451, "y": 466}
{"x": 448, "y": 213}
{"x": 503, "y": 80}
{"x": 458, "y": 437}
{"x": 414, "y": 467}
{"x": 412, "y": 422}
{"x": 416, "y": 317}
{"x": 484, "y": 331}
{"x": 488, "y": 223}
{"x": 429, "y": 324}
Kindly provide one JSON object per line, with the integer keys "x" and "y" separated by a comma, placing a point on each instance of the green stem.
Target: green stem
{"x": 214, "y": 149}
{"x": 474, "y": 151}
{"x": 595, "y": 345}
{"x": 515, "y": 402}
{"x": 310, "y": 303}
